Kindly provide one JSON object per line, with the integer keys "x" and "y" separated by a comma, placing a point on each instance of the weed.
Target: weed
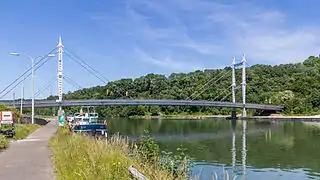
{"x": 82, "y": 157}
{"x": 4, "y": 143}
{"x": 179, "y": 164}
{"x": 23, "y": 130}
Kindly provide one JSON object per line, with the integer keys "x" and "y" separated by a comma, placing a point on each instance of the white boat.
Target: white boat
{"x": 85, "y": 118}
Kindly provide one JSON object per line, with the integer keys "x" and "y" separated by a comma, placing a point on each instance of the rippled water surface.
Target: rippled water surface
{"x": 248, "y": 149}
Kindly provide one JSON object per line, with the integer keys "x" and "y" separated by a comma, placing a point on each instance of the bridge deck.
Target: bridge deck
{"x": 131, "y": 102}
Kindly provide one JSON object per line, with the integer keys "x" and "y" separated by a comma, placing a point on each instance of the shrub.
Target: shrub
{"x": 179, "y": 164}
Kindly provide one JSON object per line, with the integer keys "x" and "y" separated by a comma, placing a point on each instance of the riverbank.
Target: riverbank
{"x": 76, "y": 157}
{"x": 271, "y": 117}
{"x": 179, "y": 117}
{"x": 21, "y": 132}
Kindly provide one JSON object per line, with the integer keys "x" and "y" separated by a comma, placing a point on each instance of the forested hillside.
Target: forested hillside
{"x": 296, "y": 86}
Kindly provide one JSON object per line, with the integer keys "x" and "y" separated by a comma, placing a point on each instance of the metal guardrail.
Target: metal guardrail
{"x": 132, "y": 102}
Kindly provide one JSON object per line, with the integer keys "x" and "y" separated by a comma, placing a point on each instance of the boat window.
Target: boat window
{"x": 86, "y": 119}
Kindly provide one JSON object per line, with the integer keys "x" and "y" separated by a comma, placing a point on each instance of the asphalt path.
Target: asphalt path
{"x": 29, "y": 158}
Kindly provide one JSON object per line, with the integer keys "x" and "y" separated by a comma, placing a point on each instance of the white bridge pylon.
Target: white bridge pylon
{"x": 242, "y": 85}
{"x": 60, "y": 73}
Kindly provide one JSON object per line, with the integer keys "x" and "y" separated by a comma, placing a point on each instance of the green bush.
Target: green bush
{"x": 148, "y": 147}
{"x": 178, "y": 164}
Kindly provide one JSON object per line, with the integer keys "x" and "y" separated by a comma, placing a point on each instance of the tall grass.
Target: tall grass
{"x": 23, "y": 130}
{"x": 80, "y": 157}
{"x": 4, "y": 143}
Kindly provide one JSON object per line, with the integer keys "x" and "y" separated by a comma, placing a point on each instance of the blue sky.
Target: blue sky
{"x": 130, "y": 38}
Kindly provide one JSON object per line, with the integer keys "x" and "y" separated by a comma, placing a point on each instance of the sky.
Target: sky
{"x": 131, "y": 38}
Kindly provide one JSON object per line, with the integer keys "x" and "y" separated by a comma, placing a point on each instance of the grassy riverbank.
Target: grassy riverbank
{"x": 21, "y": 132}
{"x": 4, "y": 143}
{"x": 81, "y": 157}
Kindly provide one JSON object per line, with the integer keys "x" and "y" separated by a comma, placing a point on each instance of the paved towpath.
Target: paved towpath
{"x": 29, "y": 158}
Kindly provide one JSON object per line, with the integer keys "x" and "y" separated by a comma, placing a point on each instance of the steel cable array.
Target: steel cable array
{"x": 43, "y": 60}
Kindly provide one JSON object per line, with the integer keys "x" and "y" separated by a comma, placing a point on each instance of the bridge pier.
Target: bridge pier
{"x": 244, "y": 112}
{"x": 233, "y": 114}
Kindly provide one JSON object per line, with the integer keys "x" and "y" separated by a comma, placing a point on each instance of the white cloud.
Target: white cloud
{"x": 166, "y": 62}
{"x": 266, "y": 35}
{"x": 210, "y": 29}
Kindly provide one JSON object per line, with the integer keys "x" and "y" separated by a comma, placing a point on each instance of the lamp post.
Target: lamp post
{"x": 22, "y": 97}
{"x": 32, "y": 65}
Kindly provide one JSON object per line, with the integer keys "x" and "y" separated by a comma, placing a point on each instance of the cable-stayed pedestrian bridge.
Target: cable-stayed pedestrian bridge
{"x": 120, "y": 95}
{"x": 135, "y": 102}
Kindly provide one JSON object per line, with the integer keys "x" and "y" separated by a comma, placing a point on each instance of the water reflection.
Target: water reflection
{"x": 247, "y": 149}
{"x": 233, "y": 150}
{"x": 244, "y": 150}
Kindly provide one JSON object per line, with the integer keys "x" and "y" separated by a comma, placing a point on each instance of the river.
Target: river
{"x": 248, "y": 149}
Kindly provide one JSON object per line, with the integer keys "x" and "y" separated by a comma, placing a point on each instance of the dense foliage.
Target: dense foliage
{"x": 296, "y": 86}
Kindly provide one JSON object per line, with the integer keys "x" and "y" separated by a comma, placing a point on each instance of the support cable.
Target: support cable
{"x": 222, "y": 93}
{"x": 88, "y": 67}
{"x": 210, "y": 86}
{"x": 36, "y": 68}
{"x": 72, "y": 82}
{"x": 35, "y": 64}
{"x": 84, "y": 62}
{"x": 226, "y": 96}
{"x": 205, "y": 85}
{"x": 85, "y": 67}
{"x": 45, "y": 87}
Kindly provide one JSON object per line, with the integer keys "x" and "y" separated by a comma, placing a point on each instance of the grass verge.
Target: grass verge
{"x": 23, "y": 130}
{"x": 81, "y": 157}
{"x": 4, "y": 143}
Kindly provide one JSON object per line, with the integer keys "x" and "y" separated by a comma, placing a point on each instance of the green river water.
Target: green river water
{"x": 248, "y": 149}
